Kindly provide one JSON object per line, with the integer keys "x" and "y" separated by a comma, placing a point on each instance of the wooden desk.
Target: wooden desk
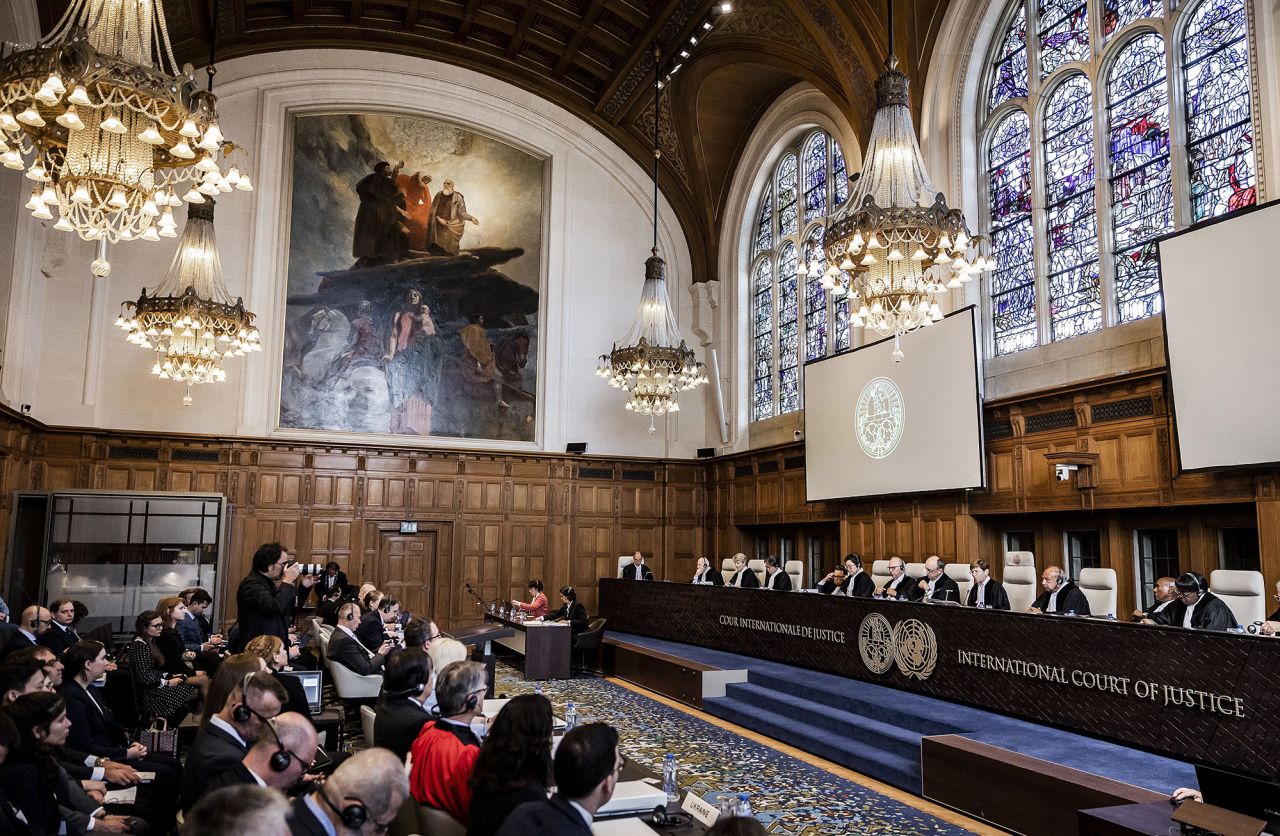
{"x": 1152, "y": 819}
{"x": 546, "y": 647}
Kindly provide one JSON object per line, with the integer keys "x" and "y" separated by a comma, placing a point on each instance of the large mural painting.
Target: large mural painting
{"x": 415, "y": 265}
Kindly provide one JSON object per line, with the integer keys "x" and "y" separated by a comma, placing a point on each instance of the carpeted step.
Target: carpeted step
{"x": 863, "y": 756}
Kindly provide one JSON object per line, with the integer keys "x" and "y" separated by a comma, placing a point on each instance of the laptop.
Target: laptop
{"x": 312, "y": 685}
{"x": 1241, "y": 794}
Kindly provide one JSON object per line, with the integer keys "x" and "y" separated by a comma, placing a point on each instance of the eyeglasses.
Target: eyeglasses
{"x": 155, "y": 625}
{"x": 437, "y": 635}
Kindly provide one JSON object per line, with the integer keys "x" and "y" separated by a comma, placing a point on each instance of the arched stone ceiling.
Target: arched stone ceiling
{"x": 594, "y": 57}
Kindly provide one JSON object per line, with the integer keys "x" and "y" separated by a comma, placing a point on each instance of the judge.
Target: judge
{"x": 986, "y": 591}
{"x": 1165, "y": 594}
{"x": 834, "y": 583}
{"x": 1196, "y": 607}
{"x": 935, "y": 585}
{"x": 1060, "y": 594}
{"x": 742, "y": 576}
{"x": 636, "y": 570}
{"x": 898, "y": 585}
{"x": 706, "y": 575}
{"x": 857, "y": 584}
{"x": 774, "y": 577}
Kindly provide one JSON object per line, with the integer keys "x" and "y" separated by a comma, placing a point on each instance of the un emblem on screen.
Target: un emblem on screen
{"x": 879, "y": 417}
{"x": 876, "y": 644}
{"x": 916, "y": 648}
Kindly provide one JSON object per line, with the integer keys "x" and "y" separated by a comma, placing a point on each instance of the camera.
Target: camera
{"x": 1063, "y": 471}
{"x": 392, "y": 637}
{"x": 308, "y": 568}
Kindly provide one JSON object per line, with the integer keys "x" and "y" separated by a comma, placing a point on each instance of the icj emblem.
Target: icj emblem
{"x": 875, "y": 643}
{"x": 879, "y": 417}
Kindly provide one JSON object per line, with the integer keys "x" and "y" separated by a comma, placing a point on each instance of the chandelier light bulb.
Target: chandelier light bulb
{"x": 46, "y": 96}
{"x": 150, "y": 233}
{"x": 193, "y": 196}
{"x": 112, "y": 124}
{"x": 151, "y": 136}
{"x": 48, "y": 196}
{"x": 245, "y": 184}
{"x": 64, "y": 224}
{"x": 12, "y": 159}
{"x": 79, "y": 96}
{"x": 233, "y": 176}
{"x": 7, "y": 122}
{"x": 34, "y": 202}
{"x": 182, "y": 151}
{"x": 37, "y": 172}
{"x": 206, "y": 164}
{"x": 150, "y": 209}
{"x": 70, "y": 120}
{"x": 31, "y": 117}
{"x": 189, "y": 129}
{"x": 212, "y": 139}
{"x": 118, "y": 199}
{"x": 81, "y": 195}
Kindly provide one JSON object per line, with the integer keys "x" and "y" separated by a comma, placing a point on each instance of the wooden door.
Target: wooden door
{"x": 407, "y": 569}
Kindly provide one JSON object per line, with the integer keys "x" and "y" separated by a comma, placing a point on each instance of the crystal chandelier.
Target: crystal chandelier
{"x": 108, "y": 128}
{"x": 190, "y": 321}
{"x": 653, "y": 362}
{"x": 895, "y": 245}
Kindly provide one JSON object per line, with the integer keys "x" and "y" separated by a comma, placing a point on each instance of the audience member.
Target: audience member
{"x": 1196, "y": 607}
{"x": 163, "y": 694}
{"x": 834, "y": 582}
{"x": 707, "y": 575}
{"x": 11, "y": 819}
{"x": 223, "y": 741}
{"x": 858, "y": 584}
{"x": 1060, "y": 594}
{"x": 774, "y": 578}
{"x": 377, "y": 623}
{"x": 986, "y": 591}
{"x": 197, "y": 631}
{"x": 743, "y": 576}
{"x": 421, "y": 632}
{"x": 225, "y": 680}
{"x": 274, "y": 655}
{"x": 443, "y": 653}
{"x": 1165, "y": 594}
{"x": 571, "y": 610}
{"x": 898, "y": 585}
{"x": 363, "y": 795}
{"x": 278, "y": 759}
{"x": 33, "y": 623}
{"x": 266, "y": 597}
{"x": 446, "y": 749}
{"x": 347, "y": 650}
{"x": 406, "y": 684}
{"x": 737, "y": 826}
{"x": 242, "y": 810}
{"x": 177, "y": 658}
{"x": 587, "y": 765}
{"x": 333, "y": 583}
{"x": 53, "y": 666}
{"x": 370, "y": 600}
{"x": 60, "y": 634}
{"x": 20, "y": 675}
{"x": 537, "y": 606}
{"x": 514, "y": 764}
{"x": 636, "y": 570}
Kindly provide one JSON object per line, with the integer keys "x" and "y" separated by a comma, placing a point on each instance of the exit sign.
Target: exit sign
{"x": 409, "y": 527}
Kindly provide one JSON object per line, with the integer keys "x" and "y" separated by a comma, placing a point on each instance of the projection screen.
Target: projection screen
{"x": 875, "y": 427}
{"x": 1222, "y": 340}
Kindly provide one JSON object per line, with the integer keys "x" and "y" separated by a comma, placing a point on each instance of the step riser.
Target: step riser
{"x": 883, "y": 711}
{"x": 833, "y": 719}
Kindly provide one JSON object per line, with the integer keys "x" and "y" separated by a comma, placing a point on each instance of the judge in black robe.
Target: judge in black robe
{"x": 636, "y": 570}
{"x": 859, "y": 585}
{"x": 1208, "y": 611}
{"x": 993, "y": 594}
{"x": 707, "y": 575}
{"x": 899, "y": 584}
{"x": 774, "y": 578}
{"x": 835, "y": 582}
{"x": 743, "y": 575}
{"x": 1060, "y": 594}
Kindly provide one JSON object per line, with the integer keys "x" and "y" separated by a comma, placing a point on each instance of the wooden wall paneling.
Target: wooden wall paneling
{"x": 1268, "y": 515}
{"x": 1119, "y": 555}
{"x": 595, "y": 555}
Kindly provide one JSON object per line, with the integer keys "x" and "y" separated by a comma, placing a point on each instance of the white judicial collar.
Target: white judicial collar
{"x": 1052, "y": 606}
{"x": 1191, "y": 611}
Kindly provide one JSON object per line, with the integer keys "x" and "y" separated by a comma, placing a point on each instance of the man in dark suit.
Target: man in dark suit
{"x": 935, "y": 585}
{"x": 265, "y": 598}
{"x": 347, "y": 650}
{"x": 707, "y": 575}
{"x": 374, "y": 624}
{"x": 32, "y": 624}
{"x": 586, "y": 768}
{"x": 60, "y": 634}
{"x": 290, "y": 735}
{"x": 986, "y": 591}
{"x": 332, "y": 583}
{"x": 774, "y": 577}
{"x": 406, "y": 684}
{"x": 743, "y": 575}
{"x": 857, "y": 584}
{"x": 239, "y": 809}
{"x": 636, "y": 570}
{"x": 222, "y": 742}
{"x": 367, "y": 787}
{"x": 1060, "y": 594}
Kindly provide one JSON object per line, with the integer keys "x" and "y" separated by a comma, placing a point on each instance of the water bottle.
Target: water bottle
{"x": 669, "y": 785}
{"x": 744, "y": 806}
{"x": 570, "y": 717}
{"x": 537, "y": 688}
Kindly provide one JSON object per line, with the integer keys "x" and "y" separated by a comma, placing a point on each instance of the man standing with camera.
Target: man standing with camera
{"x": 265, "y": 598}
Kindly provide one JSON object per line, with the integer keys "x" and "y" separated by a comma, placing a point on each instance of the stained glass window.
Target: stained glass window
{"x": 1116, "y": 14}
{"x": 1009, "y": 75}
{"x": 1063, "y": 28}
{"x": 1141, "y": 185}
{"x": 1013, "y": 282}
{"x": 1075, "y": 300}
{"x": 791, "y": 313}
{"x": 1216, "y": 83}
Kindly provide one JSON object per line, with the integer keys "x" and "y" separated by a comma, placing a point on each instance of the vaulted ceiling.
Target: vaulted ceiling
{"x": 594, "y": 57}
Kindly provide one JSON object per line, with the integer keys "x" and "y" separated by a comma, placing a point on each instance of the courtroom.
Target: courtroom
{"x": 624, "y": 417}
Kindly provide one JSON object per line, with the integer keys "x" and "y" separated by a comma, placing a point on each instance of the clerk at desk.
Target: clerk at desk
{"x": 571, "y": 611}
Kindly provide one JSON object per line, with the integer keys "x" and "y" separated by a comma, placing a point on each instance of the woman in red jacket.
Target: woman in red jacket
{"x": 538, "y": 606}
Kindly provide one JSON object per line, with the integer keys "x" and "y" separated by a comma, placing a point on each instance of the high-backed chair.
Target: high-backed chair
{"x": 1020, "y": 580}
{"x": 1099, "y": 586}
{"x": 353, "y": 686}
{"x": 880, "y": 573}
{"x": 622, "y": 563}
{"x": 757, "y": 566}
{"x": 439, "y": 823}
{"x": 367, "y": 717}
{"x": 1244, "y": 592}
{"x": 727, "y": 568}
{"x": 915, "y": 571}
{"x": 959, "y": 572}
{"x": 795, "y": 569}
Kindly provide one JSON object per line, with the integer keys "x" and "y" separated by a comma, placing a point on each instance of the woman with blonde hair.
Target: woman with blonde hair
{"x": 271, "y": 650}
{"x": 443, "y": 652}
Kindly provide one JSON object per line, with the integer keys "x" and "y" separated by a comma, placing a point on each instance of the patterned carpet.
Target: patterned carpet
{"x": 788, "y": 796}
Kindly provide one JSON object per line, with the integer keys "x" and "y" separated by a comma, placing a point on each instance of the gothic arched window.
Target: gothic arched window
{"x": 791, "y": 315}
{"x": 1087, "y": 125}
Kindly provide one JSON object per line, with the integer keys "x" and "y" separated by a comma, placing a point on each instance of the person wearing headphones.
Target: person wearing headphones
{"x": 707, "y": 575}
{"x": 383, "y": 618}
{"x": 774, "y": 578}
{"x": 1060, "y": 594}
{"x": 223, "y": 741}
{"x": 1196, "y": 608}
{"x": 857, "y": 584}
{"x": 570, "y": 610}
{"x": 346, "y": 649}
{"x": 278, "y": 758}
{"x": 407, "y": 681}
{"x": 32, "y": 624}
{"x": 363, "y": 795}
{"x": 537, "y": 605}
{"x": 446, "y": 749}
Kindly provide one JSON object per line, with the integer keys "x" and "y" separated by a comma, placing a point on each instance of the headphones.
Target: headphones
{"x": 386, "y": 604}
{"x": 416, "y": 690}
{"x": 470, "y": 705}
{"x": 280, "y": 757}
{"x": 242, "y": 712}
{"x": 353, "y": 815}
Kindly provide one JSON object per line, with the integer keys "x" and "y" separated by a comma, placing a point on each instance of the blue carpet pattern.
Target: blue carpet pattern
{"x": 876, "y": 730}
{"x": 788, "y": 796}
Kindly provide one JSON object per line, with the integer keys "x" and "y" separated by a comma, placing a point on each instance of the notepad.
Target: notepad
{"x": 146, "y": 777}
{"x": 633, "y": 797}
{"x": 123, "y": 796}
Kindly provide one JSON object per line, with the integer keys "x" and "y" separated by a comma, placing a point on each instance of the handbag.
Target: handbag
{"x": 161, "y": 738}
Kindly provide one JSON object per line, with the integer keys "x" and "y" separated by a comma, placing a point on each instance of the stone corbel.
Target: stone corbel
{"x": 706, "y": 298}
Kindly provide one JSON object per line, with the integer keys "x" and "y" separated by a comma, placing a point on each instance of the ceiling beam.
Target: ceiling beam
{"x": 468, "y": 20}
{"x": 594, "y": 8}
{"x": 357, "y": 11}
{"x": 517, "y": 39}
{"x": 411, "y": 15}
{"x": 641, "y": 46}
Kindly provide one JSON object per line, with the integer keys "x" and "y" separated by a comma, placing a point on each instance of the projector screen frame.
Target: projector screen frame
{"x": 972, "y": 310}
{"x": 1168, "y": 357}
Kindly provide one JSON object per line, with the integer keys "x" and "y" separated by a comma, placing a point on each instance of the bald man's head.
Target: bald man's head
{"x": 374, "y": 777}
{"x": 36, "y": 620}
{"x": 292, "y": 747}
